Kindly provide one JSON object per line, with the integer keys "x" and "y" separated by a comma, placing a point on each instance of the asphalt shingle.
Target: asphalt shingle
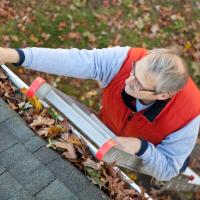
{"x": 18, "y": 128}
{"x": 22, "y": 194}
{"x": 8, "y": 186}
{"x": 7, "y": 140}
{"x": 56, "y": 191}
{"x": 14, "y": 155}
{"x": 92, "y": 193}
{"x": 46, "y": 155}
{"x": 80, "y": 184}
{"x": 35, "y": 143}
{"x": 5, "y": 109}
{"x": 32, "y": 174}
{"x": 2, "y": 170}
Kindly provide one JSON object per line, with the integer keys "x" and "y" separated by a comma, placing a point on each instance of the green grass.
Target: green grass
{"x": 104, "y": 24}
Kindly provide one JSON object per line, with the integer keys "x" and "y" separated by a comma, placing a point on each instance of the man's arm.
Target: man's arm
{"x": 98, "y": 64}
{"x": 166, "y": 159}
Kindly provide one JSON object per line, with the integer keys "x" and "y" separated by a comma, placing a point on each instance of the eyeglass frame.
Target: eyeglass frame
{"x": 141, "y": 88}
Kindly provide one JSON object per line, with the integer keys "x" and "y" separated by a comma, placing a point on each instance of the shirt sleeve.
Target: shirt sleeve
{"x": 166, "y": 159}
{"x": 98, "y": 64}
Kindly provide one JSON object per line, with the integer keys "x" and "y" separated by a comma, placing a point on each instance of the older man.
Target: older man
{"x": 149, "y": 100}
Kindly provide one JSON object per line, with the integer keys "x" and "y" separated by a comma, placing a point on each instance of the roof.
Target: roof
{"x": 29, "y": 170}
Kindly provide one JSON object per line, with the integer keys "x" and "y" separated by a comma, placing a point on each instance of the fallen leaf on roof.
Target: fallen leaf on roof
{"x": 36, "y": 103}
{"x": 43, "y": 132}
{"x": 92, "y": 164}
{"x": 55, "y": 130}
{"x": 40, "y": 121}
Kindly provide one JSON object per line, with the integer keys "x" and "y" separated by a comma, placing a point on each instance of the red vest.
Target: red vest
{"x": 154, "y": 123}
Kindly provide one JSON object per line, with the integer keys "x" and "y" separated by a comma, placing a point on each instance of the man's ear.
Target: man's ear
{"x": 163, "y": 96}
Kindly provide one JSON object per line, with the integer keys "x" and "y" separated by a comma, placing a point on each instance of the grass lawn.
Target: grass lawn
{"x": 89, "y": 24}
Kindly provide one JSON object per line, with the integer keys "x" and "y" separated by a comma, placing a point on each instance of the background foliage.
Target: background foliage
{"x": 97, "y": 24}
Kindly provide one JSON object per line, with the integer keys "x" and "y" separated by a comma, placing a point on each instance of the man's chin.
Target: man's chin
{"x": 129, "y": 91}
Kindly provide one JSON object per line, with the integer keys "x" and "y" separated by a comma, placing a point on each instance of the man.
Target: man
{"x": 148, "y": 98}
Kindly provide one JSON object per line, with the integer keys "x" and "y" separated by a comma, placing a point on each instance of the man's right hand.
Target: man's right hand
{"x": 8, "y": 55}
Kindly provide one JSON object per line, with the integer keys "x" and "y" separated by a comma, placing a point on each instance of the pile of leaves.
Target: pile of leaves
{"x": 6, "y": 11}
{"x": 45, "y": 123}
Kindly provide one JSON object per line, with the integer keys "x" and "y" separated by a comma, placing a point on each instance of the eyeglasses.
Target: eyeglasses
{"x": 139, "y": 85}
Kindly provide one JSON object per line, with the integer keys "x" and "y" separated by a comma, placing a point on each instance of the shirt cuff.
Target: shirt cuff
{"x": 143, "y": 148}
{"x": 21, "y": 57}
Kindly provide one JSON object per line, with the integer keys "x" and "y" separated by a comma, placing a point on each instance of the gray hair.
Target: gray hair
{"x": 170, "y": 70}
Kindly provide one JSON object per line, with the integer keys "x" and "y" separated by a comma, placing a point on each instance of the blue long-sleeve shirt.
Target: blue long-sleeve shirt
{"x": 163, "y": 161}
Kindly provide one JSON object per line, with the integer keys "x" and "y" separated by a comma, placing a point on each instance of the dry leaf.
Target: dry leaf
{"x": 154, "y": 28}
{"x": 74, "y": 139}
{"x": 71, "y": 138}
{"x": 74, "y": 35}
{"x": 70, "y": 153}
{"x": 55, "y": 130}
{"x": 21, "y": 104}
{"x": 34, "y": 38}
{"x": 43, "y": 132}
{"x": 65, "y": 124}
{"x": 92, "y": 164}
{"x": 62, "y": 25}
{"x": 42, "y": 121}
{"x": 13, "y": 106}
{"x": 23, "y": 90}
{"x": 62, "y": 145}
{"x": 36, "y": 103}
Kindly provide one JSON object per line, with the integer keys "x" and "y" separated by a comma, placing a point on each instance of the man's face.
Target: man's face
{"x": 141, "y": 84}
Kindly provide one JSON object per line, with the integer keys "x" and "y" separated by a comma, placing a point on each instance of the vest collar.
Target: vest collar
{"x": 151, "y": 112}
{"x": 154, "y": 110}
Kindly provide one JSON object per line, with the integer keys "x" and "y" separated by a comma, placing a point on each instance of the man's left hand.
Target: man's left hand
{"x": 130, "y": 145}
